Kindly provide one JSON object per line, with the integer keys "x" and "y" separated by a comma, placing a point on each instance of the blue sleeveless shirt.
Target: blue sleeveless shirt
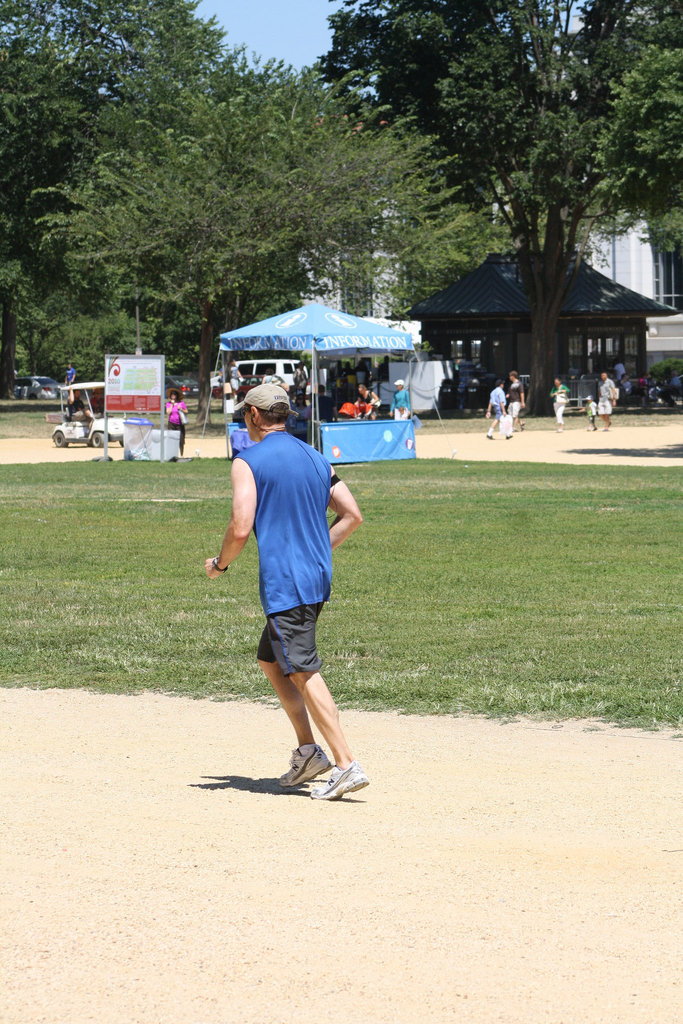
{"x": 292, "y": 533}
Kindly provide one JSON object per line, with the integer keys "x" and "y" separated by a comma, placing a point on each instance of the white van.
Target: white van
{"x": 266, "y": 367}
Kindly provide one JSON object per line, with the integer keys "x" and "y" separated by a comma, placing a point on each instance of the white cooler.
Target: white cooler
{"x": 142, "y": 441}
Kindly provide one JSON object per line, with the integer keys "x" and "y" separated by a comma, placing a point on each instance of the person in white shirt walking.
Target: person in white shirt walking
{"x": 606, "y": 397}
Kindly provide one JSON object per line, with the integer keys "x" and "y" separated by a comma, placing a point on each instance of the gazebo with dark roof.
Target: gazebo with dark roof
{"x": 484, "y": 317}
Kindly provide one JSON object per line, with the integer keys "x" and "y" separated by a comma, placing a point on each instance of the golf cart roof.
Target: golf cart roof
{"x": 78, "y": 386}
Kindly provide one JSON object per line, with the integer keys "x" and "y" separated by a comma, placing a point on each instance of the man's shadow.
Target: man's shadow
{"x": 248, "y": 785}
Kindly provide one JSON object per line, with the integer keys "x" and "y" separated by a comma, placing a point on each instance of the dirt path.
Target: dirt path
{"x": 156, "y": 874}
{"x": 625, "y": 444}
{"x": 154, "y": 871}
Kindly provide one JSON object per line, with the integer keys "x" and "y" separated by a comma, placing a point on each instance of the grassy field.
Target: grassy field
{"x": 558, "y": 597}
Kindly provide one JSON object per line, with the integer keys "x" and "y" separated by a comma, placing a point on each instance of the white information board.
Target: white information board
{"x": 134, "y": 383}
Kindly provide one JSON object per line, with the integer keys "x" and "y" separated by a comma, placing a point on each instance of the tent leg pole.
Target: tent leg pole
{"x": 315, "y": 407}
{"x": 208, "y": 404}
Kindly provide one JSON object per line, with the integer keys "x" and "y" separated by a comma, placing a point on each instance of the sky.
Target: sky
{"x": 295, "y": 31}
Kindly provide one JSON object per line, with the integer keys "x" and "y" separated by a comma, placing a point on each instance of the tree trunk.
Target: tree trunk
{"x": 205, "y": 357}
{"x": 542, "y": 369}
{"x": 547, "y": 282}
{"x": 8, "y": 350}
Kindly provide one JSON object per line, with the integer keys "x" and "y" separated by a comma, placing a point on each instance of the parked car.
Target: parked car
{"x": 215, "y": 383}
{"x": 189, "y": 386}
{"x": 36, "y": 387}
{"x": 192, "y": 382}
{"x": 186, "y": 387}
{"x": 246, "y": 384}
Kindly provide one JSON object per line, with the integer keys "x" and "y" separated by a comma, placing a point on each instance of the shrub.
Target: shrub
{"x": 665, "y": 369}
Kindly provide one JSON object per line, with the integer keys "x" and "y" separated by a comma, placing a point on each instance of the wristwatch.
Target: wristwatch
{"x": 217, "y": 566}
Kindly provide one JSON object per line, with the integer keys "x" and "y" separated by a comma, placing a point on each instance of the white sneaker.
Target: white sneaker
{"x": 305, "y": 767}
{"x": 340, "y": 782}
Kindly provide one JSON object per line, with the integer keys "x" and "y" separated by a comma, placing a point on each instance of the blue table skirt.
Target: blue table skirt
{"x": 351, "y": 440}
{"x": 239, "y": 438}
{"x": 368, "y": 440}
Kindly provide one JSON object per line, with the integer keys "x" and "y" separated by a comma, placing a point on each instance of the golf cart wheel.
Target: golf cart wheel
{"x": 97, "y": 440}
{"x": 59, "y": 439}
{"x": 121, "y": 443}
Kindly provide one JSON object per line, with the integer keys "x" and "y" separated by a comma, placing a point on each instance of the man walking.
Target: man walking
{"x": 496, "y": 407}
{"x": 606, "y": 397}
{"x": 282, "y": 489}
{"x": 516, "y": 400}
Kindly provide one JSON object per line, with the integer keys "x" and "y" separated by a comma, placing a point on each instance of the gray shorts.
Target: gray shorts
{"x": 289, "y": 639}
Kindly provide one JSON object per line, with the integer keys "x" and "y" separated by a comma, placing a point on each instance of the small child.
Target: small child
{"x": 591, "y": 413}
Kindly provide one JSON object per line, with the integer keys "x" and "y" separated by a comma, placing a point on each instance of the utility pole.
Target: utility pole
{"x": 138, "y": 349}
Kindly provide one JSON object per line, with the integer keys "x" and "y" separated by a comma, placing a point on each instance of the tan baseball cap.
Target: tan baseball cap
{"x": 264, "y": 397}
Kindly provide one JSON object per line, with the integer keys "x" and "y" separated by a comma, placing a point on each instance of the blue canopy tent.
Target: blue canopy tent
{"x": 325, "y": 332}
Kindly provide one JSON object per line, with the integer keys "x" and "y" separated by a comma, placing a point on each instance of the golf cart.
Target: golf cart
{"x": 81, "y": 420}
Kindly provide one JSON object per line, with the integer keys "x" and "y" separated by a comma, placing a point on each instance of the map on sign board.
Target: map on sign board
{"x": 134, "y": 383}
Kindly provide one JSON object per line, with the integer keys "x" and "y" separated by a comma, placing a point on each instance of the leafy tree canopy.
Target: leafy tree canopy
{"x": 62, "y": 65}
{"x": 521, "y": 95}
{"x": 642, "y": 148}
{"x": 263, "y": 191}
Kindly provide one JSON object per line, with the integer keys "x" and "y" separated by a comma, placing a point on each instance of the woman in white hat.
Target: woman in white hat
{"x": 400, "y": 403}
